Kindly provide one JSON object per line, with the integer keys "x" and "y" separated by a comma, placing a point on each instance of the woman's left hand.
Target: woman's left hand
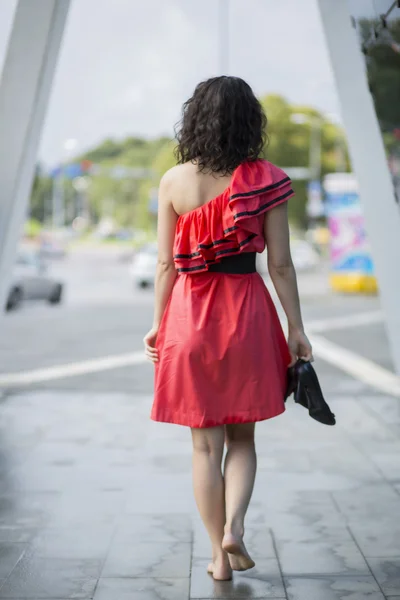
{"x": 150, "y": 340}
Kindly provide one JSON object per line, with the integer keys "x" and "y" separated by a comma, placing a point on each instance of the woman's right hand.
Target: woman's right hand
{"x": 299, "y": 347}
{"x": 150, "y": 340}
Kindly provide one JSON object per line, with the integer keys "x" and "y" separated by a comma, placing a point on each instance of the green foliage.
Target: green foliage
{"x": 132, "y": 151}
{"x": 32, "y": 228}
{"x": 40, "y": 204}
{"x": 383, "y": 68}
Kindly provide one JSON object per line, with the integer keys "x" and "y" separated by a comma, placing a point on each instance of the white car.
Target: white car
{"x": 304, "y": 256}
{"x": 143, "y": 266}
{"x": 144, "y": 262}
{"x": 30, "y": 281}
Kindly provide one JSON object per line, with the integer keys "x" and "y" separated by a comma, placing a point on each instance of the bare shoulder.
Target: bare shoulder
{"x": 174, "y": 179}
{"x": 175, "y": 174}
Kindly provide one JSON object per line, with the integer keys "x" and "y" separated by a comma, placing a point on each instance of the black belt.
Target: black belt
{"x": 237, "y": 264}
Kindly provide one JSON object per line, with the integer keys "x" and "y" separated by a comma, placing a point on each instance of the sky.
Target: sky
{"x": 126, "y": 66}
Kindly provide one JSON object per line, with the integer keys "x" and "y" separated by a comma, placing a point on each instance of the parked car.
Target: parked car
{"x": 143, "y": 266}
{"x": 53, "y": 245}
{"x": 304, "y": 256}
{"x": 144, "y": 262}
{"x": 53, "y": 249}
{"x": 31, "y": 281}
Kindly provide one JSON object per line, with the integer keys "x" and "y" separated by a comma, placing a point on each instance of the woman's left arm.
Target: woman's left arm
{"x": 165, "y": 271}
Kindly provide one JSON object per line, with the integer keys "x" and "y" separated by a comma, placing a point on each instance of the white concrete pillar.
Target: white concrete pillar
{"x": 368, "y": 157}
{"x": 25, "y": 87}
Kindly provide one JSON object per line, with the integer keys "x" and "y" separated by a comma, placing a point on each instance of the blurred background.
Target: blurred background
{"x": 122, "y": 76}
{"x": 81, "y": 291}
{"x": 108, "y": 135}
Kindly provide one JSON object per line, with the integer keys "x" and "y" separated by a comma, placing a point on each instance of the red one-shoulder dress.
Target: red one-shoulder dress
{"x": 223, "y": 356}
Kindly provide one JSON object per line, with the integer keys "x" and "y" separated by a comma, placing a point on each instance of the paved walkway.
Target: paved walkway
{"x": 96, "y": 502}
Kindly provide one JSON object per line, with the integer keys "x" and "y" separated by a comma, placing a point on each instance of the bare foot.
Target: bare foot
{"x": 220, "y": 570}
{"x": 239, "y": 558}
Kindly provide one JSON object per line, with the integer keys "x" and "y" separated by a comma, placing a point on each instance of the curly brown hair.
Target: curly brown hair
{"x": 223, "y": 124}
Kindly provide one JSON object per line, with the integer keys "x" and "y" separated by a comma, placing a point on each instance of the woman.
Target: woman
{"x": 220, "y": 354}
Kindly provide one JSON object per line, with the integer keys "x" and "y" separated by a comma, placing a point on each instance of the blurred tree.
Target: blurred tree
{"x": 383, "y": 68}
{"x": 126, "y": 200}
{"x": 41, "y": 194}
{"x": 289, "y": 145}
{"x": 165, "y": 158}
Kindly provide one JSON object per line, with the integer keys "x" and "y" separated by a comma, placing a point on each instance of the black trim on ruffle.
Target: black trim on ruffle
{"x": 204, "y": 247}
{"x": 186, "y": 269}
{"x": 219, "y": 253}
{"x": 251, "y": 213}
{"x": 208, "y": 246}
{"x": 273, "y": 186}
{"x": 193, "y": 255}
{"x": 241, "y": 244}
{"x": 231, "y": 229}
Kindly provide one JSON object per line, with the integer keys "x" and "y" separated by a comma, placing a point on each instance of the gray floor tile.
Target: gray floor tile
{"x": 142, "y": 589}
{"x": 319, "y": 551}
{"x": 134, "y": 529}
{"x": 387, "y": 573}
{"x": 28, "y": 510}
{"x": 368, "y": 502}
{"x": 52, "y": 578}
{"x": 333, "y": 588}
{"x": 264, "y": 581}
{"x": 77, "y": 542}
{"x": 148, "y": 560}
{"x": 378, "y": 537}
{"x": 149, "y": 497}
{"x": 87, "y": 508}
{"x": 259, "y": 542}
{"x": 9, "y": 556}
{"x": 17, "y": 535}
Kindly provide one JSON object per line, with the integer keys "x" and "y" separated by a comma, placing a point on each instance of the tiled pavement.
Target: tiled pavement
{"x": 96, "y": 502}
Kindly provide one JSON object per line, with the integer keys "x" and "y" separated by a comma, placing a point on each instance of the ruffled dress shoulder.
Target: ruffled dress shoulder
{"x": 232, "y": 222}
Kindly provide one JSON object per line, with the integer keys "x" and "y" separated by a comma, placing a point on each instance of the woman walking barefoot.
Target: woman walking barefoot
{"x": 220, "y": 354}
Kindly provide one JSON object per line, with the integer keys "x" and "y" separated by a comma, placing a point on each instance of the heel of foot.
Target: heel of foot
{"x": 239, "y": 558}
{"x": 231, "y": 544}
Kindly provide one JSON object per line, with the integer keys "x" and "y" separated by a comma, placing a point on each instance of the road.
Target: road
{"x": 104, "y": 316}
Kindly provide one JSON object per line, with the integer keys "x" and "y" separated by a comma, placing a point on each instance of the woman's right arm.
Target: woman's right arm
{"x": 283, "y": 276}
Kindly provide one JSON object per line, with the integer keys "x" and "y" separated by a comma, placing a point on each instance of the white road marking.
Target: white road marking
{"x": 355, "y": 365}
{"x": 72, "y": 369}
{"x": 355, "y": 320}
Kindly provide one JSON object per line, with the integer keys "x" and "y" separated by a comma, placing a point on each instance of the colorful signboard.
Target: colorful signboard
{"x": 352, "y": 268}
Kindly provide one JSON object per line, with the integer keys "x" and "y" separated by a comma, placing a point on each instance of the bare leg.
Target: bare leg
{"x": 240, "y": 472}
{"x": 209, "y": 492}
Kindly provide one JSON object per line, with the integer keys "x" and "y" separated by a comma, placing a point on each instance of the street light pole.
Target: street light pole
{"x": 315, "y": 148}
{"x": 314, "y": 202}
{"x": 340, "y": 147}
{"x": 58, "y": 192}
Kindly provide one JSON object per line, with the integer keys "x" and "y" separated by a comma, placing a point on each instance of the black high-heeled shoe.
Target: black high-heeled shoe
{"x": 303, "y": 383}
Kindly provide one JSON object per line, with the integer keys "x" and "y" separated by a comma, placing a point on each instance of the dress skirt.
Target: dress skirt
{"x": 223, "y": 356}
